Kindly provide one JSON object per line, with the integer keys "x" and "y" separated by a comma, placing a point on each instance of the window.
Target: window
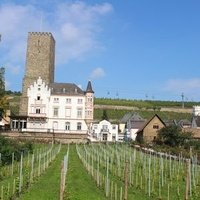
{"x": 68, "y": 100}
{"x": 105, "y": 127}
{"x": 56, "y": 100}
{"x": 113, "y": 127}
{"x": 88, "y": 113}
{"x": 105, "y": 136}
{"x": 37, "y": 110}
{"x": 55, "y": 112}
{"x": 155, "y": 126}
{"x": 79, "y": 126}
{"x": 80, "y": 101}
{"x": 67, "y": 112}
{"x": 38, "y": 98}
{"x": 89, "y": 99}
{"x": 67, "y": 126}
{"x": 95, "y": 126}
{"x": 79, "y": 112}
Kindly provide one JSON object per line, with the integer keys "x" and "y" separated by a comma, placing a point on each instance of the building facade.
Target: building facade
{"x": 149, "y": 131}
{"x": 104, "y": 131}
{"x": 47, "y": 106}
{"x": 58, "y": 107}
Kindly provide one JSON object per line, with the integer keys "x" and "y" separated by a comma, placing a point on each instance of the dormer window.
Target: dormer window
{"x": 38, "y": 98}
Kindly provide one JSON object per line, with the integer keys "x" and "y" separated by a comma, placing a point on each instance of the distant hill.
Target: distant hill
{"x": 116, "y": 108}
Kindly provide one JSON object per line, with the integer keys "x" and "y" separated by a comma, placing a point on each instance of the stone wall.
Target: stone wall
{"x": 47, "y": 137}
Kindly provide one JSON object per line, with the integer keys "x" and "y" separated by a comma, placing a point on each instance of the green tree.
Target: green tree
{"x": 173, "y": 136}
{"x": 104, "y": 115}
{"x": 4, "y": 104}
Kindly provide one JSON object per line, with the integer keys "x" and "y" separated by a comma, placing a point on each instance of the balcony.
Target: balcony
{"x": 38, "y": 102}
{"x": 37, "y": 114}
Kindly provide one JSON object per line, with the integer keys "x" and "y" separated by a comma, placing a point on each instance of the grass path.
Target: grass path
{"x": 48, "y": 185}
{"x": 80, "y": 185}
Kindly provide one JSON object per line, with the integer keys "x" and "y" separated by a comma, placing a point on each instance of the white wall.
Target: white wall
{"x": 47, "y": 103}
{"x": 105, "y": 127}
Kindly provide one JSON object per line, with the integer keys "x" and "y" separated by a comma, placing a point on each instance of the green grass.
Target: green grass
{"x": 80, "y": 185}
{"x": 144, "y": 103}
{"x": 48, "y": 185}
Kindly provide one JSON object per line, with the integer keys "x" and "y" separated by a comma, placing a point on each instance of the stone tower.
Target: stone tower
{"x": 40, "y": 59}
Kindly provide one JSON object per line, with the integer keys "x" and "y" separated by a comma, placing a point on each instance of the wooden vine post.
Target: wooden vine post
{"x": 61, "y": 181}
{"x": 187, "y": 179}
{"x": 126, "y": 181}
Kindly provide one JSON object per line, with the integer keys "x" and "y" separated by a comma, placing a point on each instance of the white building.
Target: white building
{"x": 59, "y": 107}
{"x": 104, "y": 131}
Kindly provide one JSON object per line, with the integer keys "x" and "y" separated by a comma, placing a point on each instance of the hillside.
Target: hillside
{"x": 116, "y": 108}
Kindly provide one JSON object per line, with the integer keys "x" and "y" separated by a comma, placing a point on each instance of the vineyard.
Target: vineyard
{"x": 99, "y": 171}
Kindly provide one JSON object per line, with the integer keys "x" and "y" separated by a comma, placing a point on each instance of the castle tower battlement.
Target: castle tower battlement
{"x": 40, "y": 62}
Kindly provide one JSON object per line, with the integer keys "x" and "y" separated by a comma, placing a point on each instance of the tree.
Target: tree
{"x": 173, "y": 136}
{"x": 105, "y": 115}
{"x": 4, "y": 104}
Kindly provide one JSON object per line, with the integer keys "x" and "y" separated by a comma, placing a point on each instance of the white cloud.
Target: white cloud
{"x": 78, "y": 24}
{"x": 183, "y": 84}
{"x": 75, "y": 27}
{"x": 97, "y": 73}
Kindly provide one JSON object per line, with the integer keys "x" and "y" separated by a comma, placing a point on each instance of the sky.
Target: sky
{"x": 129, "y": 49}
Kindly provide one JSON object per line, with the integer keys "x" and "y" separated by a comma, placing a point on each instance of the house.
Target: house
{"x": 104, "y": 131}
{"x": 150, "y": 129}
{"x": 46, "y": 105}
{"x": 130, "y": 124}
{"x": 58, "y": 108}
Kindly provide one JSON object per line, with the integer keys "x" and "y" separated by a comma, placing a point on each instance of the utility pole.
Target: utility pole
{"x": 182, "y": 95}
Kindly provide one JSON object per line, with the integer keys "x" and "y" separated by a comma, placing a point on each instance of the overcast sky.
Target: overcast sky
{"x": 146, "y": 49}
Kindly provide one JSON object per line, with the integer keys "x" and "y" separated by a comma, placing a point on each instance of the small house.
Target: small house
{"x": 149, "y": 131}
{"x": 104, "y": 131}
